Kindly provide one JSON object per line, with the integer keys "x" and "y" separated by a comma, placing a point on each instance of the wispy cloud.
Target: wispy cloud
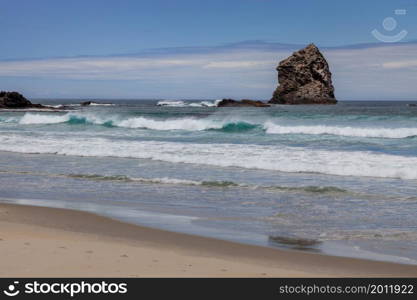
{"x": 243, "y": 70}
{"x": 400, "y": 64}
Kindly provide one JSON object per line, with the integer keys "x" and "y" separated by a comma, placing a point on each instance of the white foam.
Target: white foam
{"x": 171, "y": 103}
{"x": 376, "y": 132}
{"x": 38, "y": 119}
{"x": 30, "y": 118}
{"x": 190, "y": 124}
{"x": 198, "y": 124}
{"x": 205, "y": 104}
{"x": 167, "y": 180}
{"x": 101, "y": 104}
{"x": 179, "y": 103}
{"x": 54, "y": 106}
{"x": 267, "y": 157}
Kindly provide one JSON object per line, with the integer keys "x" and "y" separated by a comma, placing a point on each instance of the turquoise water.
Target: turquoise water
{"x": 335, "y": 179}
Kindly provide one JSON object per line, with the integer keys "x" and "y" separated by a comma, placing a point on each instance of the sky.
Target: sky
{"x": 196, "y": 49}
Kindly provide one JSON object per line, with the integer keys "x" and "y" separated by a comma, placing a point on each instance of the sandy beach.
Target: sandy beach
{"x": 48, "y": 242}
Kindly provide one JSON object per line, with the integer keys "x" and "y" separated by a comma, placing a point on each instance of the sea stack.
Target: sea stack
{"x": 304, "y": 78}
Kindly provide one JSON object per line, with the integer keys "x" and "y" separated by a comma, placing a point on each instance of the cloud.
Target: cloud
{"x": 400, "y": 64}
{"x": 244, "y": 69}
{"x": 236, "y": 64}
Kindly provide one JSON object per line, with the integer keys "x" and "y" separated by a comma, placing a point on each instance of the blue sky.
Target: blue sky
{"x": 199, "y": 49}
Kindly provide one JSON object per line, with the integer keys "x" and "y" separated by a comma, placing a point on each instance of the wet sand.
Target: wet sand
{"x": 49, "y": 242}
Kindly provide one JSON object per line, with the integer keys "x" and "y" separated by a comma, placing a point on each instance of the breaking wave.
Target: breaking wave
{"x": 180, "y": 103}
{"x": 235, "y": 124}
{"x": 249, "y": 156}
{"x": 188, "y": 124}
{"x": 29, "y": 119}
{"x": 204, "y": 183}
{"x": 368, "y": 132}
{"x": 213, "y": 183}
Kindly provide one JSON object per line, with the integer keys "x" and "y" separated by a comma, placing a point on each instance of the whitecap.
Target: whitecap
{"x": 367, "y": 132}
{"x": 250, "y": 156}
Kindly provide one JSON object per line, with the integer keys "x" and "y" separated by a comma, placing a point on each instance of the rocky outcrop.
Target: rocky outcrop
{"x": 241, "y": 103}
{"x": 304, "y": 78}
{"x": 86, "y": 103}
{"x": 91, "y": 103}
{"x": 15, "y": 100}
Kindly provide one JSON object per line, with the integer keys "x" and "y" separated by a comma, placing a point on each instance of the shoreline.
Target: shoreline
{"x": 50, "y": 242}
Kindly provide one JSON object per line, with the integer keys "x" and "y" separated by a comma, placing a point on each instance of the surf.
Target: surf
{"x": 228, "y": 124}
{"x": 349, "y": 131}
{"x": 248, "y": 156}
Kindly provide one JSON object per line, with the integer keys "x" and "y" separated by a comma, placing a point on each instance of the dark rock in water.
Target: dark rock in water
{"x": 304, "y": 78}
{"x": 13, "y": 100}
{"x": 16, "y": 101}
{"x": 412, "y": 104}
{"x": 241, "y": 103}
{"x": 86, "y": 103}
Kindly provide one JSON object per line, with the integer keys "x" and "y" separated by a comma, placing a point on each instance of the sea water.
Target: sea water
{"x": 338, "y": 179}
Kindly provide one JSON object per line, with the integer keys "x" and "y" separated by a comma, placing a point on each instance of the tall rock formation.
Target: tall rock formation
{"x": 304, "y": 78}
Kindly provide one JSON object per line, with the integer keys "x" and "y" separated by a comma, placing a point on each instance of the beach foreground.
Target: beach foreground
{"x": 48, "y": 242}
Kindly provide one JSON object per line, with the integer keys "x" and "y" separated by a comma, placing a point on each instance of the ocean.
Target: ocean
{"x": 338, "y": 179}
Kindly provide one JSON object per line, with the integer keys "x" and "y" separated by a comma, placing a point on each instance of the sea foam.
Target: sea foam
{"x": 190, "y": 124}
{"x": 229, "y": 124}
{"x": 370, "y": 132}
{"x": 30, "y": 118}
{"x": 180, "y": 103}
{"x": 251, "y": 156}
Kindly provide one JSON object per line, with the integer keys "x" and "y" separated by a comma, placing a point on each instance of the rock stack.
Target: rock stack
{"x": 304, "y": 78}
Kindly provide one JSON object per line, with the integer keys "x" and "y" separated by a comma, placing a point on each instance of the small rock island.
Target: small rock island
{"x": 14, "y": 100}
{"x": 304, "y": 78}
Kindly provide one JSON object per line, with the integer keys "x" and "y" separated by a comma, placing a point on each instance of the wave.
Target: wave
{"x": 195, "y": 124}
{"x": 70, "y": 118}
{"x": 188, "y": 124}
{"x": 226, "y": 125}
{"x": 250, "y": 156}
{"x": 204, "y": 183}
{"x": 213, "y": 183}
{"x": 180, "y": 103}
{"x": 238, "y": 127}
{"x": 30, "y": 118}
{"x": 368, "y": 132}
{"x": 164, "y": 180}
{"x": 101, "y": 104}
